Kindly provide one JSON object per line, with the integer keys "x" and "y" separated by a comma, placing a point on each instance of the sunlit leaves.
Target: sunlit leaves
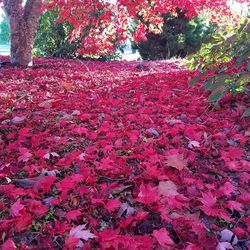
{"x": 224, "y": 63}
{"x": 106, "y": 24}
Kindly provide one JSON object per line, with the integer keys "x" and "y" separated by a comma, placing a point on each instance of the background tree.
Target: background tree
{"x": 4, "y": 31}
{"x": 109, "y": 23}
{"x": 52, "y": 37}
{"x": 180, "y": 36}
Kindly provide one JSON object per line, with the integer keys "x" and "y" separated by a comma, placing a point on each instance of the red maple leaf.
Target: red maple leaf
{"x": 81, "y": 131}
{"x": 227, "y": 189}
{"x": 176, "y": 161}
{"x": 72, "y": 215}
{"x": 112, "y": 205}
{"x": 36, "y": 207}
{"x": 25, "y": 155}
{"x": 126, "y": 222}
{"x": 163, "y": 237}
{"x": 147, "y": 194}
{"x": 23, "y": 222}
{"x": 209, "y": 202}
{"x": 16, "y": 209}
{"x": 44, "y": 184}
{"x": 232, "y": 153}
{"x": 107, "y": 237}
{"x": 234, "y": 205}
{"x": 193, "y": 247}
{"x": 9, "y": 245}
{"x": 167, "y": 188}
{"x": 76, "y": 234}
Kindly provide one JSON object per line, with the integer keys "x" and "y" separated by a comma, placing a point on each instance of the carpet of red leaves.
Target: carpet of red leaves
{"x": 119, "y": 155}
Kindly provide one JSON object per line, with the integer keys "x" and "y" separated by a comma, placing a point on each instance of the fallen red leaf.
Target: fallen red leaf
{"x": 163, "y": 237}
{"x": 176, "y": 161}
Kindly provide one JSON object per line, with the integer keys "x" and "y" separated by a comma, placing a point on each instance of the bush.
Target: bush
{"x": 52, "y": 37}
{"x": 224, "y": 63}
{"x": 180, "y": 37}
{"x": 4, "y": 31}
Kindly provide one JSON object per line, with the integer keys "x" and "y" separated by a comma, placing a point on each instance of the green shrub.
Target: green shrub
{"x": 4, "y": 31}
{"x": 52, "y": 37}
{"x": 180, "y": 37}
{"x": 224, "y": 63}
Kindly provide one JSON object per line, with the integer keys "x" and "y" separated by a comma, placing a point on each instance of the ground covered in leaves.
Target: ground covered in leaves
{"x": 120, "y": 155}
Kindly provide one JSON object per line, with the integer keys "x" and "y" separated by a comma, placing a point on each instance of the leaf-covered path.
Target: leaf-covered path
{"x": 119, "y": 155}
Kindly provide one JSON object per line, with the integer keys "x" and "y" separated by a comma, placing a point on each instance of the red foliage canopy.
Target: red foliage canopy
{"x": 103, "y": 24}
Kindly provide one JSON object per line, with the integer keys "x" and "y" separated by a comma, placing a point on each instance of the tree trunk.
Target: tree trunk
{"x": 22, "y": 40}
{"x": 23, "y": 21}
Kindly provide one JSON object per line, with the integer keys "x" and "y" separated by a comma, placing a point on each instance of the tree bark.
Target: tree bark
{"x": 23, "y": 21}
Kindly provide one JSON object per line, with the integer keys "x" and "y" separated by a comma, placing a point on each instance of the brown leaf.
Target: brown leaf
{"x": 27, "y": 182}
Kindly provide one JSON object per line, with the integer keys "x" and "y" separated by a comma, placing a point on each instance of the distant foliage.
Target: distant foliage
{"x": 4, "y": 31}
{"x": 224, "y": 63}
{"x": 52, "y": 38}
{"x": 180, "y": 36}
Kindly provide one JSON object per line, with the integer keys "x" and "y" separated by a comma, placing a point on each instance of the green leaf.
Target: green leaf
{"x": 248, "y": 66}
{"x": 222, "y": 69}
{"x": 246, "y": 113}
{"x": 242, "y": 26}
{"x": 244, "y": 78}
{"x": 3, "y": 236}
{"x": 241, "y": 58}
{"x": 195, "y": 80}
{"x": 217, "y": 94}
{"x": 214, "y": 85}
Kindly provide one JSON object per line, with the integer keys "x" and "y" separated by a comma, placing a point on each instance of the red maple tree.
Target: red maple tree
{"x": 101, "y": 24}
